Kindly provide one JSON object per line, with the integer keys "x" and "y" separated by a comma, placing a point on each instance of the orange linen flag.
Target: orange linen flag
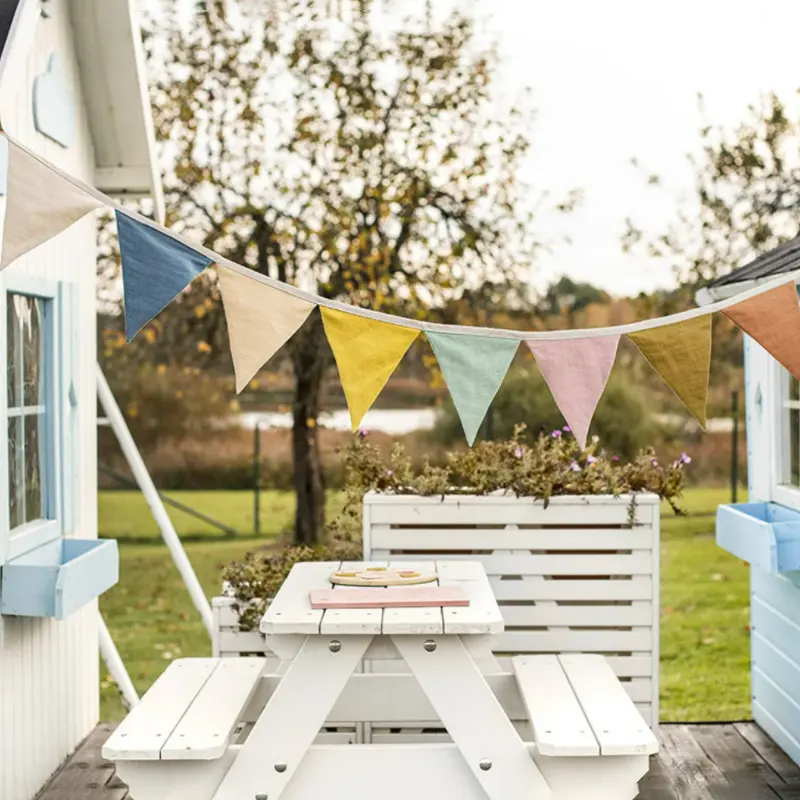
{"x": 773, "y": 320}
{"x": 681, "y": 354}
{"x": 367, "y": 352}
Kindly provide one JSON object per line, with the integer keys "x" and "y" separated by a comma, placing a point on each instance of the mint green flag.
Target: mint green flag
{"x": 474, "y": 368}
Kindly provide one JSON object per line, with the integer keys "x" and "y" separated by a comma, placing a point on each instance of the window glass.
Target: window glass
{"x": 27, "y": 409}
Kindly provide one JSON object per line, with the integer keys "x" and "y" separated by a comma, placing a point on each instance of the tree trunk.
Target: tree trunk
{"x": 309, "y": 361}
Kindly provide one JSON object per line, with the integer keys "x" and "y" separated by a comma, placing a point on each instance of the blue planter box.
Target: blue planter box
{"x": 56, "y": 579}
{"x": 765, "y": 535}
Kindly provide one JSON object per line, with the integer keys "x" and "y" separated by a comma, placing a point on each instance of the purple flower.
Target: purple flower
{"x": 567, "y": 429}
{"x": 362, "y": 433}
{"x": 615, "y": 458}
{"x": 518, "y": 452}
{"x": 389, "y": 473}
{"x": 574, "y": 466}
{"x": 591, "y": 459}
{"x": 685, "y": 459}
{"x": 654, "y": 462}
{"x": 556, "y": 434}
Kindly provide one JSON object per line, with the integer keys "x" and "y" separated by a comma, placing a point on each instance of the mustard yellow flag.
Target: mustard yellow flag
{"x": 681, "y": 354}
{"x": 367, "y": 352}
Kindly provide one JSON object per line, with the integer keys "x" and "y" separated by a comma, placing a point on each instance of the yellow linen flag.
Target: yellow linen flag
{"x": 367, "y": 352}
{"x": 681, "y": 354}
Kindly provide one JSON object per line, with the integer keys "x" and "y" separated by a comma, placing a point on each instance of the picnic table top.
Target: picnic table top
{"x": 291, "y": 613}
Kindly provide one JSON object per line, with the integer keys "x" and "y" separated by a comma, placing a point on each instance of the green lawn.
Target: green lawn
{"x": 705, "y": 617}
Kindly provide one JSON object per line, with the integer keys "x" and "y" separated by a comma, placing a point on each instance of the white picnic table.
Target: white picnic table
{"x": 226, "y": 729}
{"x": 439, "y": 645}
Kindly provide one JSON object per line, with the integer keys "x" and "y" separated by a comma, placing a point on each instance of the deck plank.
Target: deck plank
{"x": 734, "y": 761}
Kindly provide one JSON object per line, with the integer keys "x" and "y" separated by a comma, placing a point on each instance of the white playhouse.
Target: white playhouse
{"x": 72, "y": 89}
{"x": 765, "y": 531}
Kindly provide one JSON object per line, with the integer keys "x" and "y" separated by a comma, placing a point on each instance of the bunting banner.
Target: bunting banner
{"x": 473, "y": 368}
{"x": 773, "y": 320}
{"x": 681, "y": 354}
{"x": 576, "y": 372}
{"x": 262, "y": 314}
{"x": 367, "y": 352}
{"x": 155, "y": 269}
{"x": 260, "y": 321}
{"x": 41, "y": 204}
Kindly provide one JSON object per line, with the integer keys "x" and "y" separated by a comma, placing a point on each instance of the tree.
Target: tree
{"x": 358, "y": 160}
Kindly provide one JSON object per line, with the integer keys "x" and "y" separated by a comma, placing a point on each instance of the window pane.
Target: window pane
{"x": 34, "y": 440}
{"x": 16, "y": 490}
{"x": 14, "y": 355}
{"x": 33, "y": 351}
{"x": 794, "y": 388}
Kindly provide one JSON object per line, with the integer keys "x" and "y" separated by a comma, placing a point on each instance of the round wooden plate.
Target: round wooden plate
{"x": 382, "y": 576}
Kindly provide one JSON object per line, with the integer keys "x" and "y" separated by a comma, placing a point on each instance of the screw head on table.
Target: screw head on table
{"x": 485, "y": 764}
{"x": 280, "y": 767}
{"x": 334, "y": 646}
{"x": 261, "y": 796}
{"x": 429, "y": 645}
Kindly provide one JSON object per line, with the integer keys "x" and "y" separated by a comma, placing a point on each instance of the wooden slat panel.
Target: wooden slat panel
{"x": 241, "y": 642}
{"x": 623, "y": 666}
{"x": 467, "y": 539}
{"x": 205, "y": 729}
{"x": 485, "y": 513}
{"x": 290, "y": 611}
{"x": 570, "y": 641}
{"x": 482, "y": 615}
{"x": 637, "y": 563}
{"x": 639, "y": 588}
{"x": 595, "y": 616}
{"x": 559, "y": 725}
{"x": 617, "y": 725}
{"x": 147, "y": 728}
{"x": 347, "y": 620}
{"x": 413, "y": 620}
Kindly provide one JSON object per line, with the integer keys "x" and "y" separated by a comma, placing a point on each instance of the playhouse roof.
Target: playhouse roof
{"x": 112, "y": 69}
{"x": 783, "y": 260}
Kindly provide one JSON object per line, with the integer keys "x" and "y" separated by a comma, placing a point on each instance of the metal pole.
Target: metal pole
{"x": 257, "y": 479}
{"x": 115, "y": 664}
{"x": 142, "y": 476}
{"x": 734, "y": 446}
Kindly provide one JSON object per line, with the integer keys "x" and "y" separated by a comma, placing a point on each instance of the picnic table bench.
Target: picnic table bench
{"x": 557, "y": 726}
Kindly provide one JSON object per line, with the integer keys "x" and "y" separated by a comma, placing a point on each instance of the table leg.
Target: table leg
{"x": 473, "y": 717}
{"x": 292, "y": 718}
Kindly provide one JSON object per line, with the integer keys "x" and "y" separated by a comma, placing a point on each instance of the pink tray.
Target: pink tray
{"x": 388, "y": 597}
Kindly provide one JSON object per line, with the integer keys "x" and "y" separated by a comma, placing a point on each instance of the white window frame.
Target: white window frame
{"x": 58, "y": 454}
{"x": 780, "y": 443}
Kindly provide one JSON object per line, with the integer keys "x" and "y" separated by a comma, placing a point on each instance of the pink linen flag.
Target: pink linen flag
{"x": 576, "y": 371}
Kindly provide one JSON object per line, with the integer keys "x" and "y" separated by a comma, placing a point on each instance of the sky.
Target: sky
{"x": 614, "y": 80}
{"x": 617, "y": 79}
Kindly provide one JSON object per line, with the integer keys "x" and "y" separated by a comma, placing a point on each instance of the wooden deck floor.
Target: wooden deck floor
{"x": 731, "y": 761}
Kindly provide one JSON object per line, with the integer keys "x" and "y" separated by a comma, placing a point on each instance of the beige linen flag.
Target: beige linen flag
{"x": 40, "y": 204}
{"x": 260, "y": 320}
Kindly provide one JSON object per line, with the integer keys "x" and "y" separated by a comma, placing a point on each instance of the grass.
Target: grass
{"x": 705, "y": 649}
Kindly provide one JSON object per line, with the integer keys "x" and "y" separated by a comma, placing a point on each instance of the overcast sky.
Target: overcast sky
{"x": 614, "y": 79}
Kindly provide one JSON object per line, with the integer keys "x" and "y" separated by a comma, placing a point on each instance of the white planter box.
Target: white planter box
{"x": 572, "y": 578}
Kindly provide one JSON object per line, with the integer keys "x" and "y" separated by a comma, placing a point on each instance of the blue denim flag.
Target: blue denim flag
{"x": 155, "y": 269}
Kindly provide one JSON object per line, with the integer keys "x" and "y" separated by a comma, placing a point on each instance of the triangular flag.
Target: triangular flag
{"x": 155, "y": 269}
{"x": 367, "y": 352}
{"x": 260, "y": 320}
{"x": 40, "y": 204}
{"x": 576, "y": 372}
{"x": 681, "y": 354}
{"x": 773, "y": 320}
{"x": 474, "y": 368}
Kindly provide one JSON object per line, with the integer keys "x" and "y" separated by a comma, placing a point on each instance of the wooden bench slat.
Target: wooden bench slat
{"x": 618, "y": 727}
{"x": 559, "y": 725}
{"x": 143, "y": 733}
{"x": 205, "y": 729}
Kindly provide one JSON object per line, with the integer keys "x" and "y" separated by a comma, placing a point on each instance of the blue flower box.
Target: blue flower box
{"x": 59, "y": 577}
{"x": 765, "y": 535}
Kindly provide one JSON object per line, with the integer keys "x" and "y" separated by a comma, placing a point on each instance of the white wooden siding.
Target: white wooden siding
{"x": 49, "y": 670}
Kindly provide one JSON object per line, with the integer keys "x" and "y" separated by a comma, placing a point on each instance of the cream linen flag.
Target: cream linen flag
{"x": 260, "y": 320}
{"x": 40, "y": 204}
